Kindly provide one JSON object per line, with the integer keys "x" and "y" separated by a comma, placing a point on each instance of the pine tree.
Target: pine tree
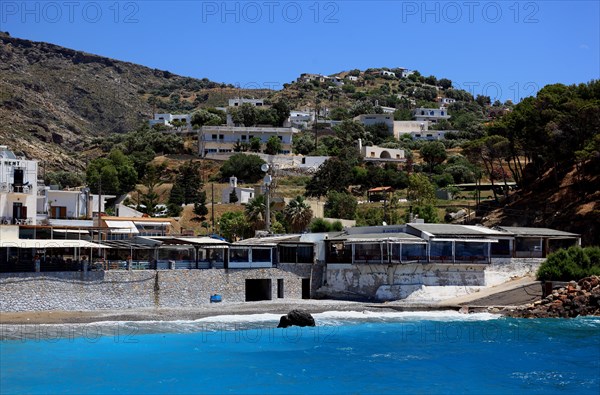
{"x": 233, "y": 196}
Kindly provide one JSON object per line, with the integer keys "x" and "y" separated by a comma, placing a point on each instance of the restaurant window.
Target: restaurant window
{"x": 261, "y": 255}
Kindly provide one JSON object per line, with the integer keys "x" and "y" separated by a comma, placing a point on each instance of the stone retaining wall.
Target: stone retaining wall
{"x": 72, "y": 291}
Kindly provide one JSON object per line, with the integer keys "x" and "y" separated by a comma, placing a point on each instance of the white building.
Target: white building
{"x": 386, "y": 73}
{"x": 337, "y": 81}
{"x": 18, "y": 188}
{"x": 168, "y": 119}
{"x": 405, "y": 73}
{"x": 352, "y": 78}
{"x": 432, "y": 115}
{"x": 430, "y": 135}
{"x": 244, "y": 195}
{"x": 374, "y": 119}
{"x": 224, "y": 139}
{"x": 409, "y": 127}
{"x": 307, "y": 77}
{"x": 445, "y": 101}
{"x": 239, "y": 101}
{"x": 375, "y": 153}
{"x": 75, "y": 204}
{"x": 301, "y": 119}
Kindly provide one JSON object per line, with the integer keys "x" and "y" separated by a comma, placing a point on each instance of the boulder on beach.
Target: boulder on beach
{"x": 296, "y": 317}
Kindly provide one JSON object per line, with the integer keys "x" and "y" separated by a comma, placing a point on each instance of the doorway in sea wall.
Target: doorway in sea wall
{"x": 306, "y": 288}
{"x": 258, "y": 290}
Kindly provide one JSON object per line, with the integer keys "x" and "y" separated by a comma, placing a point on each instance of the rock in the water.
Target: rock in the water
{"x": 296, "y": 317}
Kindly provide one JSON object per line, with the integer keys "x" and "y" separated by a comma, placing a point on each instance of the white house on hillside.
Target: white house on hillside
{"x": 168, "y": 119}
{"x": 244, "y": 195}
{"x": 374, "y": 119}
{"x": 432, "y": 115}
{"x": 239, "y": 101}
{"x": 18, "y": 188}
{"x": 224, "y": 139}
{"x": 375, "y": 153}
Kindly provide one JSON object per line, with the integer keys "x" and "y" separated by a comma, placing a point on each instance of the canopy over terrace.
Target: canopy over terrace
{"x": 457, "y": 243}
{"x": 538, "y": 242}
{"x": 379, "y": 248}
{"x": 52, "y": 254}
{"x": 192, "y": 252}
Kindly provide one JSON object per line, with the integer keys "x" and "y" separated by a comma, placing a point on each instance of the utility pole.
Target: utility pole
{"x": 99, "y": 210}
{"x": 212, "y": 203}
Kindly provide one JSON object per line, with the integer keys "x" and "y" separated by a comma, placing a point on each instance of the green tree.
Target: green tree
{"x": 233, "y": 196}
{"x": 116, "y": 172}
{"x": 420, "y": 190}
{"x": 304, "y": 143}
{"x": 255, "y": 212}
{"x": 244, "y": 167}
{"x": 273, "y": 145}
{"x": 255, "y": 144}
{"x": 187, "y": 187}
{"x": 298, "y": 214}
{"x": 282, "y": 111}
{"x": 246, "y": 115}
{"x": 64, "y": 179}
{"x": 151, "y": 181}
{"x": 433, "y": 153}
{"x": 340, "y": 205}
{"x": 334, "y": 174}
{"x": 233, "y": 225}
{"x": 203, "y": 117}
{"x": 200, "y": 208}
{"x": 445, "y": 83}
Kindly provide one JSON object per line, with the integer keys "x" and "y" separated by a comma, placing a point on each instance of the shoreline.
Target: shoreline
{"x": 312, "y": 306}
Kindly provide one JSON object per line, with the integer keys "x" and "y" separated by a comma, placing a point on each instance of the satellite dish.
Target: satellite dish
{"x": 384, "y": 223}
{"x": 265, "y": 167}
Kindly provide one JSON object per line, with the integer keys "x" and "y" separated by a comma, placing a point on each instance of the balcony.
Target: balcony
{"x": 16, "y": 221}
{"x": 13, "y": 188}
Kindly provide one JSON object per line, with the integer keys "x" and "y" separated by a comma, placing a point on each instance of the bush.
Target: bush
{"x": 319, "y": 225}
{"x": 574, "y": 263}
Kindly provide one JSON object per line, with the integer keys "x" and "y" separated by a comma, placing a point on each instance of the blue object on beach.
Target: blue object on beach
{"x": 215, "y": 298}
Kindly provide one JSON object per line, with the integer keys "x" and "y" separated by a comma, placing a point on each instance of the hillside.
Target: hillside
{"x": 55, "y": 100}
{"x": 572, "y": 205}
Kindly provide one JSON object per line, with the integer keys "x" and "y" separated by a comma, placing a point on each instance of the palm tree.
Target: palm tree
{"x": 298, "y": 214}
{"x": 255, "y": 212}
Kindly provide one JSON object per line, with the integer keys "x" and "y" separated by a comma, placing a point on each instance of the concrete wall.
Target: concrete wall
{"x": 389, "y": 282}
{"x": 365, "y": 279}
{"x": 73, "y": 291}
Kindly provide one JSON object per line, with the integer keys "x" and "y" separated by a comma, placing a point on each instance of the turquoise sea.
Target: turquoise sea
{"x": 347, "y": 353}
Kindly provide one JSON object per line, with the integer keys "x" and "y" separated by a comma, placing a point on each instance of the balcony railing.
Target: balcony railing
{"x": 12, "y": 188}
{"x": 16, "y": 221}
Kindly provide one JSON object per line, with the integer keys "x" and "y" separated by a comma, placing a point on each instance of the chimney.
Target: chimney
{"x": 360, "y": 145}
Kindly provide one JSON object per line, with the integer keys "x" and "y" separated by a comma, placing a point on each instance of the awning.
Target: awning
{"x": 50, "y": 243}
{"x": 202, "y": 242}
{"x": 120, "y": 227}
{"x": 402, "y": 238}
{"x": 150, "y": 223}
{"x": 80, "y": 231}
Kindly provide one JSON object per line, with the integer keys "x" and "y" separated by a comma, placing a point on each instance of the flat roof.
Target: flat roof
{"x": 449, "y": 230}
{"x": 379, "y": 237}
{"x": 530, "y": 231}
{"x": 50, "y": 243}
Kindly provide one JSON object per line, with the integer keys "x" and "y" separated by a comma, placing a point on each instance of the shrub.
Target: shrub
{"x": 574, "y": 263}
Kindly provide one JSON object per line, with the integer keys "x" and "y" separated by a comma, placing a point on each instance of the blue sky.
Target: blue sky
{"x": 504, "y": 49}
